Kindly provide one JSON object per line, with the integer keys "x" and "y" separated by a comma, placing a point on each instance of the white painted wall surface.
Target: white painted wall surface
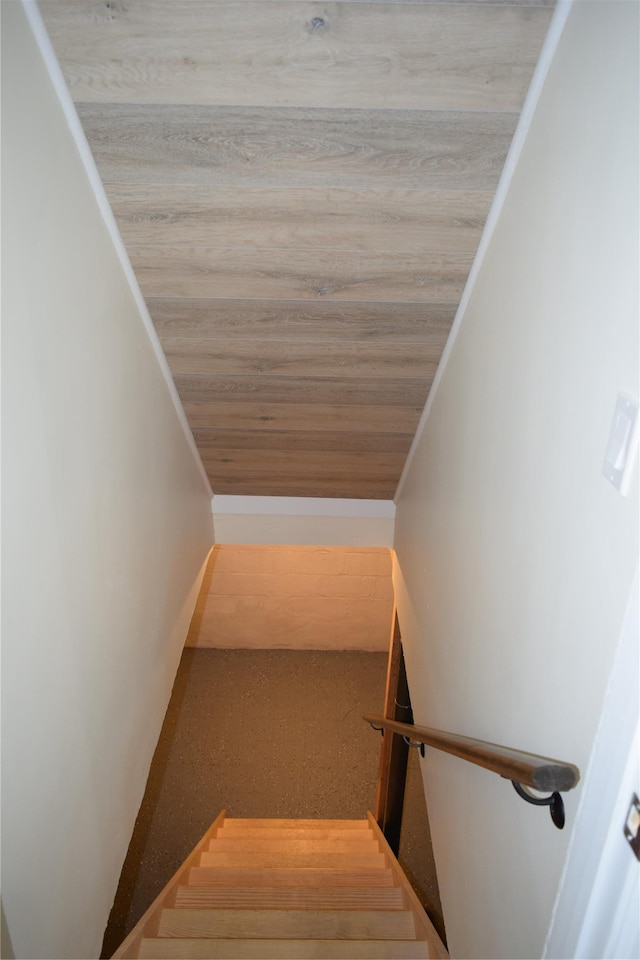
{"x": 515, "y": 556}
{"x": 311, "y": 521}
{"x": 597, "y": 913}
{"x": 106, "y": 525}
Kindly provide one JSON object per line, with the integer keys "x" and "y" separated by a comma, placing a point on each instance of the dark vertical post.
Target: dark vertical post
{"x": 395, "y": 752}
{"x": 393, "y": 670}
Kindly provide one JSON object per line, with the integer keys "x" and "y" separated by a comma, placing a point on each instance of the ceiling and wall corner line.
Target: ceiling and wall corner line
{"x": 556, "y": 29}
{"x": 59, "y": 84}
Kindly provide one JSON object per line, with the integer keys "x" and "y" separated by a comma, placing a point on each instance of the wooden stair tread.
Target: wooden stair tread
{"x": 293, "y": 845}
{"x": 237, "y": 823}
{"x": 282, "y": 858}
{"x": 296, "y": 833}
{"x": 425, "y": 930}
{"x": 291, "y": 898}
{"x": 288, "y": 924}
{"x": 274, "y": 889}
{"x": 291, "y": 876}
{"x": 174, "y": 948}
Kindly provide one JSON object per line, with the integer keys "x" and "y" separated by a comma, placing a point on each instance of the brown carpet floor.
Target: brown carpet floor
{"x": 263, "y": 733}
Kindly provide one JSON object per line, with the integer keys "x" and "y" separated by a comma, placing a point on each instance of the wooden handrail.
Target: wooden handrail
{"x": 528, "y": 769}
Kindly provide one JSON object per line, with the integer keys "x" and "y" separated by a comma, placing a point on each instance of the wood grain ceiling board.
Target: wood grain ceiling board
{"x": 343, "y": 391}
{"x": 295, "y": 418}
{"x": 295, "y": 358}
{"x": 412, "y": 221}
{"x": 346, "y": 472}
{"x": 300, "y": 320}
{"x": 257, "y": 53}
{"x": 292, "y": 147}
{"x": 211, "y": 440}
{"x": 301, "y": 188}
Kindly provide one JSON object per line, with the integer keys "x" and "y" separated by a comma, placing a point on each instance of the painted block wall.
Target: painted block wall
{"x": 106, "y": 525}
{"x": 515, "y": 555}
{"x": 295, "y": 597}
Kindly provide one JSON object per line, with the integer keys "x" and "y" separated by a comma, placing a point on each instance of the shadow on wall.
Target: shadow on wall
{"x": 6, "y": 947}
{"x": 416, "y": 851}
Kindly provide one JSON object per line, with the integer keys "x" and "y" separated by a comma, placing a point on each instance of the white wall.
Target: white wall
{"x": 106, "y": 525}
{"x": 515, "y": 556}
{"x": 314, "y": 521}
{"x": 597, "y": 911}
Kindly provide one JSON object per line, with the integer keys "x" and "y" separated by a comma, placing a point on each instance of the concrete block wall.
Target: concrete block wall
{"x": 295, "y": 597}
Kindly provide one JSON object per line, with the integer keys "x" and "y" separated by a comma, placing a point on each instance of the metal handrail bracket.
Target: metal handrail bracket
{"x": 523, "y": 769}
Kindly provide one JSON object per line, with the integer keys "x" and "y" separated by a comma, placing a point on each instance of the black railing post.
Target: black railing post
{"x": 398, "y": 758}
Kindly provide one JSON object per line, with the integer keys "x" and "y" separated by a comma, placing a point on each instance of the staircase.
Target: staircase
{"x": 262, "y": 889}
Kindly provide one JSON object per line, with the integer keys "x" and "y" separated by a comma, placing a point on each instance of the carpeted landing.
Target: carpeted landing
{"x": 264, "y": 733}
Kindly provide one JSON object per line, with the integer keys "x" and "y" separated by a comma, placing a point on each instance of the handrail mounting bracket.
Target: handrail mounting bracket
{"x": 554, "y": 802}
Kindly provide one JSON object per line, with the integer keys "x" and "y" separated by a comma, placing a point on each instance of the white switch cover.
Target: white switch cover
{"x": 623, "y": 443}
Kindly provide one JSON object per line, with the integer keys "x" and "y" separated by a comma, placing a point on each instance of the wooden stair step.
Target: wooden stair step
{"x": 237, "y": 823}
{"x": 425, "y": 930}
{"x": 288, "y": 924}
{"x": 291, "y": 898}
{"x": 291, "y": 876}
{"x": 282, "y": 858}
{"x": 271, "y": 889}
{"x": 292, "y": 845}
{"x": 301, "y": 833}
{"x": 172, "y": 948}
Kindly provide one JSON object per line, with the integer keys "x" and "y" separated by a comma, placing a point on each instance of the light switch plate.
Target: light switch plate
{"x": 623, "y": 443}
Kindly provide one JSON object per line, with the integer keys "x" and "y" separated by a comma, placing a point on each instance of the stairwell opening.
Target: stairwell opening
{"x": 287, "y": 649}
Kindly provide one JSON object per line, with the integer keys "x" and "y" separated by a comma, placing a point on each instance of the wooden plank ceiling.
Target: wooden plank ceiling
{"x": 301, "y": 187}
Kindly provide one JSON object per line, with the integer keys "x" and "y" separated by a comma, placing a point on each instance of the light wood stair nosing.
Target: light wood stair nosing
{"x": 292, "y": 845}
{"x": 277, "y": 858}
{"x": 293, "y": 833}
{"x": 177, "y": 948}
{"x": 300, "y": 876}
{"x": 291, "y": 898}
{"x": 288, "y": 924}
{"x": 232, "y": 823}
